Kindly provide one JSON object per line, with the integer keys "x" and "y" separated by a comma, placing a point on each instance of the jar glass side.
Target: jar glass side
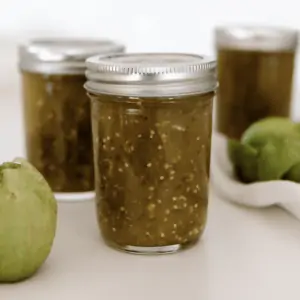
{"x": 152, "y": 158}
{"x": 58, "y": 132}
{"x": 253, "y": 85}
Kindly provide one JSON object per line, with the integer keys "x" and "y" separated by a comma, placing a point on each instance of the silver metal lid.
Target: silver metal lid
{"x": 256, "y": 38}
{"x": 151, "y": 74}
{"x": 63, "y": 55}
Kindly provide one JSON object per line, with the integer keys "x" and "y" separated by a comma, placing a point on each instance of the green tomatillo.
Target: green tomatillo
{"x": 269, "y": 150}
{"x": 28, "y": 217}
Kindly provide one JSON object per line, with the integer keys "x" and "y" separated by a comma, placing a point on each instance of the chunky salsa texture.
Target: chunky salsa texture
{"x": 152, "y": 159}
{"x": 252, "y": 85}
{"x": 58, "y": 130}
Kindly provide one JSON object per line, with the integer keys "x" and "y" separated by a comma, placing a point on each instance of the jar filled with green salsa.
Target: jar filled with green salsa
{"x": 152, "y": 122}
{"x": 57, "y": 115}
{"x": 255, "y": 73}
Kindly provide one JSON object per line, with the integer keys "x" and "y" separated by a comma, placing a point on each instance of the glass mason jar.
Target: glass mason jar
{"x": 255, "y": 74}
{"x": 152, "y": 122}
{"x": 56, "y": 108}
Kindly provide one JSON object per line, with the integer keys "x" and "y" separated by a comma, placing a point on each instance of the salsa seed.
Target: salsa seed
{"x": 179, "y": 128}
{"x": 182, "y": 198}
{"x": 151, "y": 206}
{"x": 195, "y": 231}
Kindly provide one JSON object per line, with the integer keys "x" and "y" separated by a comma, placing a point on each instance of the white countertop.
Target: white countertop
{"x": 244, "y": 254}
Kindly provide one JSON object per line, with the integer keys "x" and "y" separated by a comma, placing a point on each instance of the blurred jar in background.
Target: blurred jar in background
{"x": 57, "y": 112}
{"x": 255, "y": 73}
{"x": 152, "y": 121}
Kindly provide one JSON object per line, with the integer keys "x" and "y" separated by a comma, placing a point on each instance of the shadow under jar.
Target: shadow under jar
{"x": 57, "y": 114}
{"x": 152, "y": 122}
{"x": 255, "y": 73}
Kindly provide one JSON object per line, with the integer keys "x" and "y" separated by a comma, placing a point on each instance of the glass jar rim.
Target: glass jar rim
{"x": 264, "y": 38}
{"x": 151, "y": 74}
{"x": 63, "y": 55}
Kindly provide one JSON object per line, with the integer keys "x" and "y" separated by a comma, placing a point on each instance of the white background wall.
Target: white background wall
{"x": 153, "y": 25}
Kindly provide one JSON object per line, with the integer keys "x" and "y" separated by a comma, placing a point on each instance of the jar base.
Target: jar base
{"x": 158, "y": 250}
{"x": 75, "y": 196}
